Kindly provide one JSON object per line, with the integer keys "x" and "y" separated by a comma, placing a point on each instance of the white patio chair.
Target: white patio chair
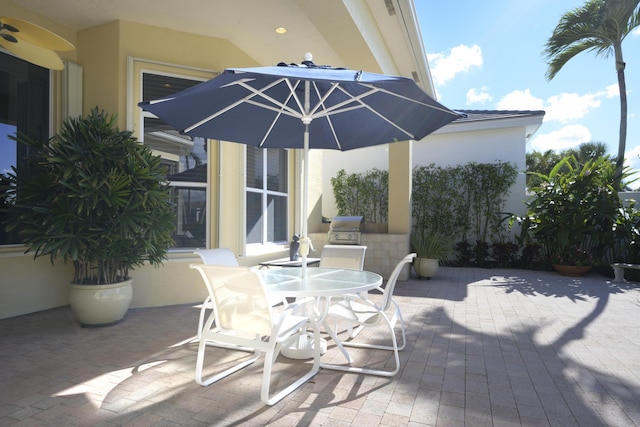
{"x": 343, "y": 256}
{"x": 222, "y": 257}
{"x": 245, "y": 321}
{"x": 361, "y": 312}
{"x": 215, "y": 256}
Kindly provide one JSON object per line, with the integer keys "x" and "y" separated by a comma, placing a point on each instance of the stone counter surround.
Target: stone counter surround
{"x": 384, "y": 251}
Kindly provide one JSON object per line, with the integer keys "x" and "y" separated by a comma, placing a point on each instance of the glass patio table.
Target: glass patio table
{"x": 319, "y": 283}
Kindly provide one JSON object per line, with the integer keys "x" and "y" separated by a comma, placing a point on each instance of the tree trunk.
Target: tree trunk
{"x": 622, "y": 141}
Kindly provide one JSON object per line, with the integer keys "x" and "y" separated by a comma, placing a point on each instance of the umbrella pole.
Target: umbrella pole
{"x": 305, "y": 243}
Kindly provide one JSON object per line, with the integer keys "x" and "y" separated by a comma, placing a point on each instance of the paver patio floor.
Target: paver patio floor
{"x": 486, "y": 347}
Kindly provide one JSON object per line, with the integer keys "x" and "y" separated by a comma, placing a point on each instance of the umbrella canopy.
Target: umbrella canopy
{"x": 266, "y": 107}
{"x": 303, "y": 106}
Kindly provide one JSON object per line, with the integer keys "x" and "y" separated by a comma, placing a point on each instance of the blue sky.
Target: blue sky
{"x": 488, "y": 55}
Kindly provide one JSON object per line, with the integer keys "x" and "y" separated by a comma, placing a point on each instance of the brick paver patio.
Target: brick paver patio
{"x": 486, "y": 347}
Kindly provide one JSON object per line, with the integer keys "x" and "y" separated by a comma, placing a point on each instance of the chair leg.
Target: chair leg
{"x": 269, "y": 360}
{"x": 334, "y": 337}
{"x": 353, "y": 332}
{"x": 203, "y": 310}
{"x": 379, "y": 372}
{"x": 404, "y": 338}
{"x": 202, "y": 348}
{"x": 397, "y": 316}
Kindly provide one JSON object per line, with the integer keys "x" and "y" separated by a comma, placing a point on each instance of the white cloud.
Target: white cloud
{"x": 632, "y": 158}
{"x": 459, "y": 60}
{"x": 475, "y": 97}
{"x": 570, "y": 106}
{"x": 566, "y": 137}
{"x": 520, "y": 100}
{"x": 563, "y": 108}
{"x": 612, "y": 91}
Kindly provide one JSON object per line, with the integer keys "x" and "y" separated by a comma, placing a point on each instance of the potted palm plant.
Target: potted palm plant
{"x": 93, "y": 195}
{"x": 431, "y": 248}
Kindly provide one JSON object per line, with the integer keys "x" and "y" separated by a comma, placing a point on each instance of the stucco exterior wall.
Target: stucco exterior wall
{"x": 442, "y": 149}
{"x": 103, "y": 52}
{"x": 27, "y": 286}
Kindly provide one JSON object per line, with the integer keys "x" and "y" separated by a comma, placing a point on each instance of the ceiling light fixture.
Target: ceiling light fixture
{"x": 281, "y": 30}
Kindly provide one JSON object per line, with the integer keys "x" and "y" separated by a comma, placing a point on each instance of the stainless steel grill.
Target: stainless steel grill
{"x": 346, "y": 230}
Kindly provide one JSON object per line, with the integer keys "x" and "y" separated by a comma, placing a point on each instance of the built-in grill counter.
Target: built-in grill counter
{"x": 346, "y": 230}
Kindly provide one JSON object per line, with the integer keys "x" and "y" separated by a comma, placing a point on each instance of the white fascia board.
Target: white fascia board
{"x": 369, "y": 26}
{"x": 406, "y": 13}
{"x": 394, "y": 39}
{"x": 531, "y": 123}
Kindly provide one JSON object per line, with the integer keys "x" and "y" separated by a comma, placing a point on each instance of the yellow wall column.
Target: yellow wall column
{"x": 400, "y": 187}
{"x": 231, "y": 197}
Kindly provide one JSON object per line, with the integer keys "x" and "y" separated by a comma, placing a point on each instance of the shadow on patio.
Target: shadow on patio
{"x": 485, "y": 347}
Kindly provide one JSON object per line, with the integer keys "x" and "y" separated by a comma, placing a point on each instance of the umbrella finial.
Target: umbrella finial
{"x": 308, "y": 56}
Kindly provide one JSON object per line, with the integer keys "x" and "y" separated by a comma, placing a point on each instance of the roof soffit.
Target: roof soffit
{"x": 357, "y": 34}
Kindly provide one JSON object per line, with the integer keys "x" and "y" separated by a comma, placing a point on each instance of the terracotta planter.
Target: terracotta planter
{"x": 425, "y": 267}
{"x": 572, "y": 270}
{"x": 100, "y": 304}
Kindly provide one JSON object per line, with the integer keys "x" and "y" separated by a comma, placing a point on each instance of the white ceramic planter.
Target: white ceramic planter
{"x": 100, "y": 304}
{"x": 425, "y": 267}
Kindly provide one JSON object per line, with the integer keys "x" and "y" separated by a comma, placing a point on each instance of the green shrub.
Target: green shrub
{"x": 576, "y": 208}
{"x": 95, "y": 196}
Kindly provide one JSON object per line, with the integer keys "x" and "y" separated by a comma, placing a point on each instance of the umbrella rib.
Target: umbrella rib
{"x": 396, "y": 95}
{"x": 282, "y": 106}
{"x": 336, "y": 109}
{"x": 280, "y": 111}
{"x": 321, "y": 103}
{"x": 246, "y": 99}
{"x": 324, "y": 98}
{"x": 292, "y": 90}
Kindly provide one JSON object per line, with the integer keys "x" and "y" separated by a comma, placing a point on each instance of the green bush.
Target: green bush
{"x": 95, "y": 196}
{"x": 362, "y": 194}
{"x": 576, "y": 209}
{"x": 466, "y": 202}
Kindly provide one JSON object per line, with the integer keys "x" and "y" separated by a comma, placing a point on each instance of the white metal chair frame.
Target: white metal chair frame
{"x": 214, "y": 256}
{"x": 362, "y": 312}
{"x": 244, "y": 321}
{"x": 343, "y": 256}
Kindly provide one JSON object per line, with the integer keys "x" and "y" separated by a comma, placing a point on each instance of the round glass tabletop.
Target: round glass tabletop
{"x": 319, "y": 281}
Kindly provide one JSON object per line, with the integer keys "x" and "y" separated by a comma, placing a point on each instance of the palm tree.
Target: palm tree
{"x": 544, "y": 162}
{"x": 599, "y": 26}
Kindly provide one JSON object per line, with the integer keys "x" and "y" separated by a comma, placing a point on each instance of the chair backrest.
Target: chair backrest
{"x": 240, "y": 301}
{"x": 343, "y": 256}
{"x": 217, "y": 256}
{"x": 393, "y": 278}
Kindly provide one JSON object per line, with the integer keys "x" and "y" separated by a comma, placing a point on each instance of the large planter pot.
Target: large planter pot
{"x": 425, "y": 267}
{"x": 100, "y": 304}
{"x": 572, "y": 270}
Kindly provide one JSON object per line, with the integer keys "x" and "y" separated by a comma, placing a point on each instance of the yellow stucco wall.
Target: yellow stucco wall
{"x": 109, "y": 82}
{"x": 27, "y": 286}
{"x": 103, "y": 52}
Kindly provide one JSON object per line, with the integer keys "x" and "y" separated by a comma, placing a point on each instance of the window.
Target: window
{"x": 267, "y": 199}
{"x": 24, "y": 108}
{"x": 186, "y": 161}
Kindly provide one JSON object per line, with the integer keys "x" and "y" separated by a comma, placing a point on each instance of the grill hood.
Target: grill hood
{"x": 347, "y": 223}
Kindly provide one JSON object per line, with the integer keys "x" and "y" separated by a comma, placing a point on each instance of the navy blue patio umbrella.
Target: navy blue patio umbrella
{"x": 303, "y": 106}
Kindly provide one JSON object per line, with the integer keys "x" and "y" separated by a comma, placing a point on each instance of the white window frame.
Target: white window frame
{"x": 136, "y": 68}
{"x": 265, "y": 246}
